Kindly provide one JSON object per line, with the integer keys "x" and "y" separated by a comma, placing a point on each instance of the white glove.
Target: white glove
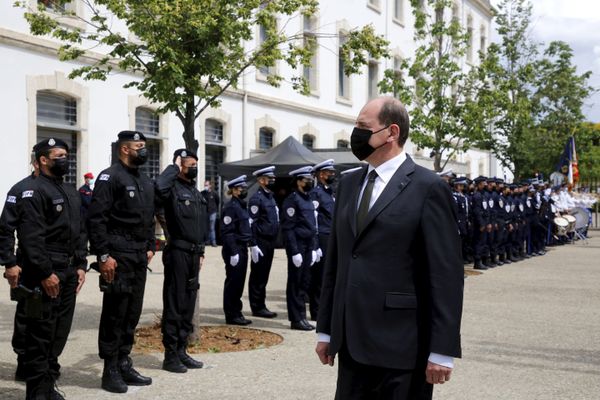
{"x": 255, "y": 253}
{"x": 234, "y": 260}
{"x": 297, "y": 260}
{"x": 319, "y": 254}
{"x": 313, "y": 257}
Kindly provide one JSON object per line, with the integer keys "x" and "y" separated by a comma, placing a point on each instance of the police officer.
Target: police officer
{"x": 264, "y": 215}
{"x": 324, "y": 201}
{"x": 235, "y": 234}
{"x": 186, "y": 217}
{"x": 481, "y": 223}
{"x": 492, "y": 242}
{"x": 121, "y": 233}
{"x": 12, "y": 260}
{"x": 299, "y": 228}
{"x": 54, "y": 265}
{"x": 462, "y": 212}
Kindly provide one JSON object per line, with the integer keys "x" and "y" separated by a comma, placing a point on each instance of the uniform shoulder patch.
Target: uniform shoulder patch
{"x": 254, "y": 209}
{"x": 104, "y": 177}
{"x": 316, "y": 204}
{"x": 227, "y": 220}
{"x": 11, "y": 199}
{"x": 27, "y": 193}
{"x": 291, "y": 211}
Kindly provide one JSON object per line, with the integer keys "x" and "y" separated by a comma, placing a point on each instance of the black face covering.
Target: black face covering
{"x": 141, "y": 156}
{"x": 271, "y": 184}
{"x": 60, "y": 166}
{"x": 192, "y": 173}
{"x": 330, "y": 180}
{"x": 308, "y": 185}
{"x": 359, "y": 142}
{"x": 243, "y": 194}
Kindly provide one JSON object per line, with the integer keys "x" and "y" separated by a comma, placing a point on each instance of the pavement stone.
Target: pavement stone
{"x": 530, "y": 331}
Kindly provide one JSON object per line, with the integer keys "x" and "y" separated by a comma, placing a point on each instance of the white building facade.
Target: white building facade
{"x": 39, "y": 101}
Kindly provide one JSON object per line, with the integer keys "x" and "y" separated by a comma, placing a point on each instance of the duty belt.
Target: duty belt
{"x": 187, "y": 246}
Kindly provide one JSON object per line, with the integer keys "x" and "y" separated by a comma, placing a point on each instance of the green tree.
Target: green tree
{"x": 587, "y": 142}
{"x": 537, "y": 98}
{"x": 187, "y": 53}
{"x": 448, "y": 112}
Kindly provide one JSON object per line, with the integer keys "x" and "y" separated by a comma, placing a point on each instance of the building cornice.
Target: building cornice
{"x": 484, "y": 6}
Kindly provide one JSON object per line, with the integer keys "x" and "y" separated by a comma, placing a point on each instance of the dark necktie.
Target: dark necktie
{"x": 363, "y": 208}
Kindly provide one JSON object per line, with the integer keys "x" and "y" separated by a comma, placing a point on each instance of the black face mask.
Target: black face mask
{"x": 330, "y": 180}
{"x": 60, "y": 166}
{"x": 141, "y": 156}
{"x": 271, "y": 184}
{"x": 359, "y": 142}
{"x": 243, "y": 194}
{"x": 192, "y": 173}
{"x": 308, "y": 185}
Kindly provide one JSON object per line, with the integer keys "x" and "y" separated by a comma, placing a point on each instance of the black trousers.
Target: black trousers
{"x": 46, "y": 337}
{"x": 18, "y": 338}
{"x": 480, "y": 243}
{"x": 121, "y": 311}
{"x": 316, "y": 279}
{"x": 259, "y": 275}
{"x": 358, "y": 381}
{"x": 235, "y": 278}
{"x": 298, "y": 282}
{"x": 180, "y": 289}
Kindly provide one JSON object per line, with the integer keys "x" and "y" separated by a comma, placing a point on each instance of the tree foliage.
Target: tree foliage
{"x": 447, "y": 114}
{"x": 187, "y": 53}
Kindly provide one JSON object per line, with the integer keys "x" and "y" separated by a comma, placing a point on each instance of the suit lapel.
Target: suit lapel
{"x": 400, "y": 180}
{"x": 356, "y": 183}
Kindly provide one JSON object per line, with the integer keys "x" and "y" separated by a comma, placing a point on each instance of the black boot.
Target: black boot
{"x": 55, "y": 394}
{"x": 479, "y": 265}
{"x": 38, "y": 389}
{"x": 130, "y": 375}
{"x": 187, "y": 360}
{"x": 112, "y": 381}
{"x": 172, "y": 363}
{"x": 506, "y": 258}
{"x": 500, "y": 259}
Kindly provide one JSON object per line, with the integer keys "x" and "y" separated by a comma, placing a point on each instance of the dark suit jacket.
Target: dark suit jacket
{"x": 394, "y": 291}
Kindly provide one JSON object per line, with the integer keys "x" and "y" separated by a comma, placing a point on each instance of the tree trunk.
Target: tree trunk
{"x": 437, "y": 162}
{"x": 189, "y": 132}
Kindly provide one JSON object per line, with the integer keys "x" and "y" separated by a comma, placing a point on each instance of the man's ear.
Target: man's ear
{"x": 394, "y": 133}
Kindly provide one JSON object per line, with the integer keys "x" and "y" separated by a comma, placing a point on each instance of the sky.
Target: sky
{"x": 577, "y": 23}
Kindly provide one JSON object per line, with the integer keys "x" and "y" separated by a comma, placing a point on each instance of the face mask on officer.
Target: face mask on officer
{"x": 140, "y": 157}
{"x": 359, "y": 142}
{"x": 243, "y": 194}
{"x": 271, "y": 184}
{"x": 330, "y": 179}
{"x": 308, "y": 185}
{"x": 59, "y": 167}
{"x": 192, "y": 173}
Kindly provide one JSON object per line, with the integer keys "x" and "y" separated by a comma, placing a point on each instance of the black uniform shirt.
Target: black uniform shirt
{"x": 122, "y": 205}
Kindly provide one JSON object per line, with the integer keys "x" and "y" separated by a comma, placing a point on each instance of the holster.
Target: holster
{"x": 120, "y": 285}
{"x": 192, "y": 284}
{"x": 32, "y": 298}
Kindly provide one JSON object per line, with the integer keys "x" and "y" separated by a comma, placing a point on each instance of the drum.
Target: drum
{"x": 560, "y": 225}
{"x": 571, "y": 220}
{"x": 582, "y": 216}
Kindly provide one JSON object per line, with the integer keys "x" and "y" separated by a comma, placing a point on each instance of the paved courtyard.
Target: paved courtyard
{"x": 531, "y": 331}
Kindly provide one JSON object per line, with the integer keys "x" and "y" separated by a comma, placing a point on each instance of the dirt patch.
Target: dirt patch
{"x": 472, "y": 272}
{"x": 213, "y": 339}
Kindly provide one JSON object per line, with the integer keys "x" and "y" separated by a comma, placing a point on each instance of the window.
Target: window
{"x": 343, "y": 79}
{"x": 421, "y": 5}
{"x": 342, "y": 144}
{"x": 308, "y": 141}
{"x": 265, "y": 138}
{"x": 262, "y": 38}
{"x": 57, "y": 118}
{"x": 399, "y": 10}
{"x": 470, "y": 39}
{"x": 455, "y": 12}
{"x": 214, "y": 131}
{"x": 147, "y": 122}
{"x": 56, "y": 6}
{"x": 213, "y": 156}
{"x": 310, "y": 41}
{"x": 373, "y": 77}
{"x": 482, "y": 40}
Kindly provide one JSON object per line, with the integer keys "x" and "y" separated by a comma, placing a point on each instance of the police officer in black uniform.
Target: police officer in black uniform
{"x": 236, "y": 234}
{"x": 264, "y": 215}
{"x": 12, "y": 262}
{"x": 481, "y": 223}
{"x": 186, "y": 217}
{"x": 324, "y": 201}
{"x": 299, "y": 227}
{"x": 49, "y": 234}
{"x": 121, "y": 234}
{"x": 462, "y": 212}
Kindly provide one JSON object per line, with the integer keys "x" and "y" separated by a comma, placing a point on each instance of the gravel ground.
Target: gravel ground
{"x": 530, "y": 331}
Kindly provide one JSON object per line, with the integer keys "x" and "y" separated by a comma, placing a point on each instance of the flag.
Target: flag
{"x": 568, "y": 162}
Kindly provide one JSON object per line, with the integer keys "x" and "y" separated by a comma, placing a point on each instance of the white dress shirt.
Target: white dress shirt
{"x": 385, "y": 172}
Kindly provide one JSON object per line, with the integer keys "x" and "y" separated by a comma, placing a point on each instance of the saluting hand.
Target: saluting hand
{"x": 107, "y": 269}
{"x": 51, "y": 286}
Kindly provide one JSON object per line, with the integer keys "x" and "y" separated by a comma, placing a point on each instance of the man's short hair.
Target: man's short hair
{"x": 393, "y": 112}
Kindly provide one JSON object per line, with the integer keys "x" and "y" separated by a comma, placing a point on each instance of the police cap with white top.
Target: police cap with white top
{"x": 460, "y": 181}
{"x": 240, "y": 181}
{"x": 131, "y": 136}
{"x": 349, "y": 171}
{"x": 326, "y": 165}
{"x": 267, "y": 171}
{"x": 303, "y": 172}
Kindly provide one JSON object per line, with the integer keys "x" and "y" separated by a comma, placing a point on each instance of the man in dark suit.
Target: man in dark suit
{"x": 392, "y": 291}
